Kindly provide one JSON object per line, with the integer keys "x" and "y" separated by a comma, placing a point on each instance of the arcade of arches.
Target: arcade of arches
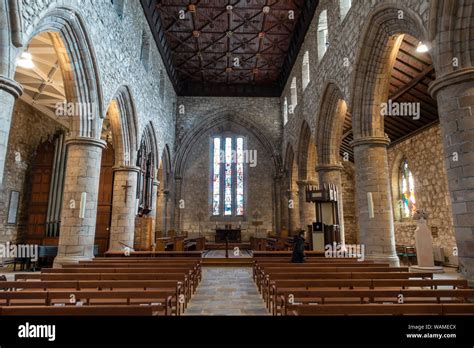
{"x": 102, "y": 149}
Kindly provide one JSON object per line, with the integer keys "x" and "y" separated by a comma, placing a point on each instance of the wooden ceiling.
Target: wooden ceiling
{"x": 229, "y": 47}
{"x": 411, "y": 75}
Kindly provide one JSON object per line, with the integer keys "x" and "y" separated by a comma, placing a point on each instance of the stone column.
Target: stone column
{"x": 307, "y": 210}
{"x": 277, "y": 204}
{"x": 76, "y": 240}
{"x": 177, "y": 209}
{"x": 124, "y": 208}
{"x": 372, "y": 177}
{"x": 10, "y": 90}
{"x": 331, "y": 175}
{"x": 293, "y": 212}
{"x": 166, "y": 213}
{"x": 152, "y": 215}
{"x": 455, "y": 95}
{"x": 284, "y": 209}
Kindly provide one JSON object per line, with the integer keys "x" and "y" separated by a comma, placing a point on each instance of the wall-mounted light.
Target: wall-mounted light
{"x": 422, "y": 47}
{"x": 25, "y": 61}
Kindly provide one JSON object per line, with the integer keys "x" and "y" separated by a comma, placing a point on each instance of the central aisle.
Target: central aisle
{"x": 226, "y": 291}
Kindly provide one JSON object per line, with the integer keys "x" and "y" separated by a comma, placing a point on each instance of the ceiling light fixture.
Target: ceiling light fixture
{"x": 25, "y": 61}
{"x": 422, "y": 48}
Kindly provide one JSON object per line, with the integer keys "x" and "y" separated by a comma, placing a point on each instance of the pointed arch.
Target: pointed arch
{"x": 123, "y": 119}
{"x": 330, "y": 124}
{"x": 216, "y": 120}
{"x": 80, "y": 73}
{"x": 375, "y": 58}
{"x": 306, "y": 153}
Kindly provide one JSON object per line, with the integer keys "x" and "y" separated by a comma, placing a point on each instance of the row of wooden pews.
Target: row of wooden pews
{"x": 341, "y": 286}
{"x": 105, "y": 286}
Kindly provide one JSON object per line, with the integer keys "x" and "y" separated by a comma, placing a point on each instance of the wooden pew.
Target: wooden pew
{"x": 191, "y": 273}
{"x": 163, "y": 301}
{"x": 287, "y": 297}
{"x": 381, "y": 309}
{"x": 278, "y": 287}
{"x": 115, "y": 310}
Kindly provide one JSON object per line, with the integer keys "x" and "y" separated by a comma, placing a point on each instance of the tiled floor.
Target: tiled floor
{"x": 227, "y": 291}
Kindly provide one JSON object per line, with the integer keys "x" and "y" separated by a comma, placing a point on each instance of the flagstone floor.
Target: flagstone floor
{"x": 227, "y": 291}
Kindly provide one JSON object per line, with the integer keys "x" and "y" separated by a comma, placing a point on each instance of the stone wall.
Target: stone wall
{"x": 262, "y": 113}
{"x": 424, "y": 152}
{"x": 29, "y": 129}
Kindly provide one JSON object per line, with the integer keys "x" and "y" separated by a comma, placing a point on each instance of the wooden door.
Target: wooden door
{"x": 38, "y": 202}
{"x": 104, "y": 204}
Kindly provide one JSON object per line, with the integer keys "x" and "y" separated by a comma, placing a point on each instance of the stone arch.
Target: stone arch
{"x": 375, "y": 58}
{"x": 149, "y": 137}
{"x": 330, "y": 125}
{"x": 306, "y": 153}
{"x": 217, "y": 120}
{"x": 166, "y": 166}
{"x": 289, "y": 166}
{"x": 450, "y": 29}
{"x": 80, "y": 73}
{"x": 123, "y": 119}
{"x": 395, "y": 183}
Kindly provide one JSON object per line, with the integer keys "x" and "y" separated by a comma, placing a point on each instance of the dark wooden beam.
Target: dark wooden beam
{"x": 412, "y": 83}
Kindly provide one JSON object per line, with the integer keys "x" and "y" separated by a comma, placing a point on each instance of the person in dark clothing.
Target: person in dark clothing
{"x": 298, "y": 248}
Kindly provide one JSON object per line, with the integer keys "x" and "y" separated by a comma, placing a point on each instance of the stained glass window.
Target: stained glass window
{"x": 408, "y": 200}
{"x": 240, "y": 177}
{"x": 216, "y": 179}
{"x": 228, "y": 176}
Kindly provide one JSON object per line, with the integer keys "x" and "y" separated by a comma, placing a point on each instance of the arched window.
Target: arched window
{"x": 228, "y": 176}
{"x": 345, "y": 6}
{"x": 294, "y": 95}
{"x": 323, "y": 34}
{"x": 285, "y": 111}
{"x": 145, "y": 51}
{"x": 146, "y": 176}
{"x": 305, "y": 72}
{"x": 407, "y": 190}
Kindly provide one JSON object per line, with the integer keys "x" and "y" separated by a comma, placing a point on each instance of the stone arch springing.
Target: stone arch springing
{"x": 80, "y": 73}
{"x": 147, "y": 161}
{"x": 123, "y": 120}
{"x": 375, "y": 58}
{"x": 330, "y": 125}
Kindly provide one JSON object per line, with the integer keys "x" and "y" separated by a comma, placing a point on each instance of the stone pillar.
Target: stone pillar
{"x": 293, "y": 212}
{"x": 153, "y": 213}
{"x": 10, "y": 90}
{"x": 277, "y": 204}
{"x": 166, "y": 223}
{"x": 455, "y": 95}
{"x": 76, "y": 240}
{"x": 331, "y": 175}
{"x": 307, "y": 210}
{"x": 177, "y": 209}
{"x": 284, "y": 209}
{"x": 372, "y": 176}
{"x": 124, "y": 208}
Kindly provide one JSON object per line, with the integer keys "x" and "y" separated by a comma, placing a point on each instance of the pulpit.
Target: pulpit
{"x": 233, "y": 235}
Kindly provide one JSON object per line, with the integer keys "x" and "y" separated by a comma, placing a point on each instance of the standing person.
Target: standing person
{"x": 298, "y": 248}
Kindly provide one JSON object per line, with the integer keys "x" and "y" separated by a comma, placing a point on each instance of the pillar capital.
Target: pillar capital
{"x": 329, "y": 167}
{"x": 86, "y": 141}
{"x": 453, "y": 78}
{"x": 11, "y": 86}
{"x": 126, "y": 169}
{"x": 371, "y": 140}
{"x": 302, "y": 183}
